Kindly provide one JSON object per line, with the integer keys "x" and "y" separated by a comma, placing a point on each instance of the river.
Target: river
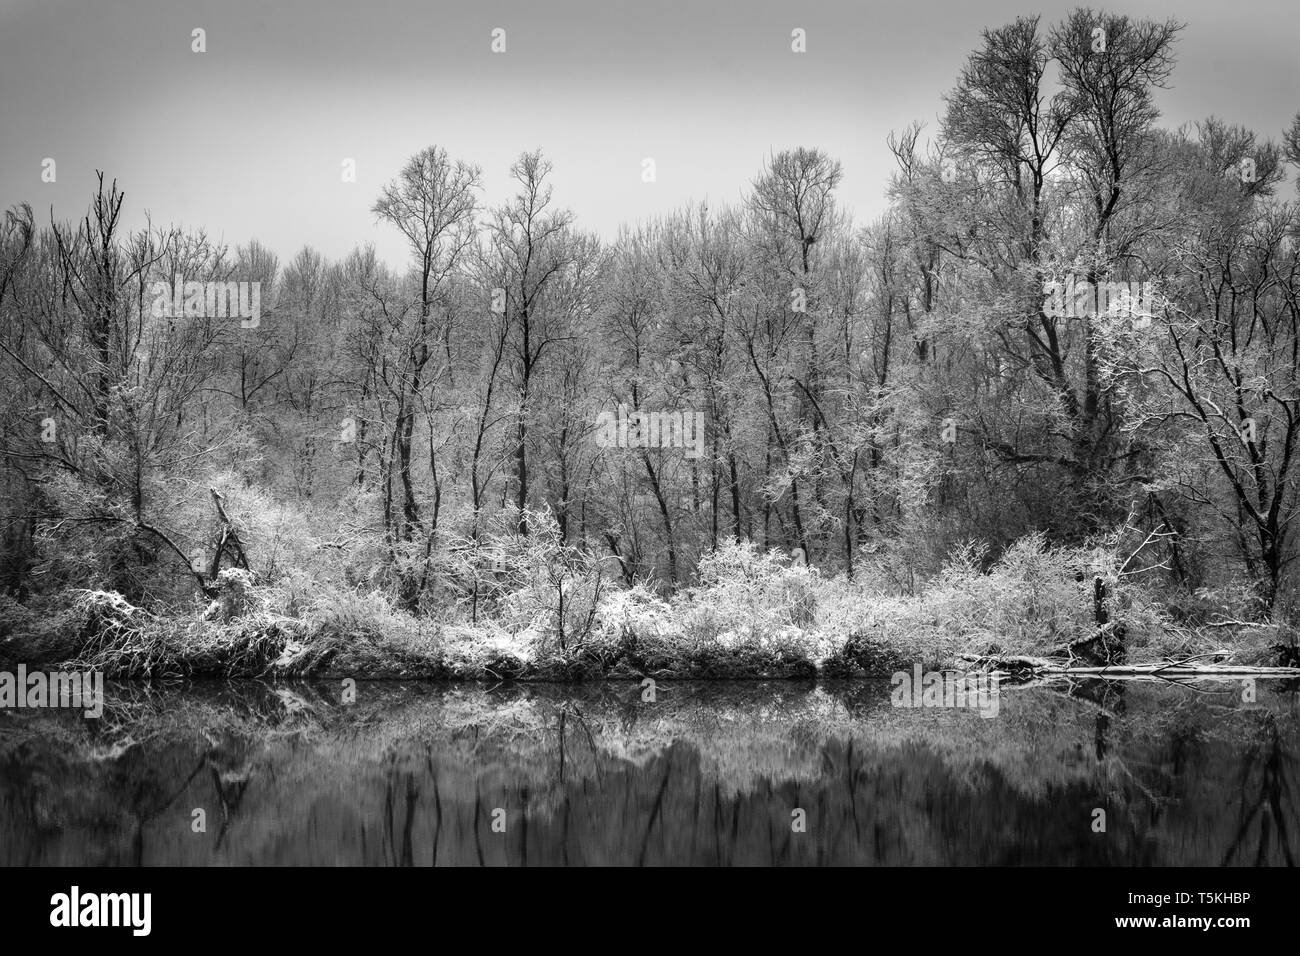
{"x": 245, "y": 773}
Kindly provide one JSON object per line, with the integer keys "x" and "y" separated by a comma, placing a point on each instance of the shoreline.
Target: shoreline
{"x": 176, "y": 649}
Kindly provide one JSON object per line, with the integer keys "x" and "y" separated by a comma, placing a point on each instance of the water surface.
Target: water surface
{"x": 711, "y": 774}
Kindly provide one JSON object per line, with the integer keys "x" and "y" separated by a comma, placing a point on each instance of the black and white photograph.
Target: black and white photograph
{"x": 580, "y": 435}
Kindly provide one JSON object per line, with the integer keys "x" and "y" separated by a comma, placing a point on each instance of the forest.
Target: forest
{"x": 1054, "y": 386}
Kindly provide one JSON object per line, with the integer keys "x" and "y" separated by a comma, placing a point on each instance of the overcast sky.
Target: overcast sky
{"x": 247, "y": 139}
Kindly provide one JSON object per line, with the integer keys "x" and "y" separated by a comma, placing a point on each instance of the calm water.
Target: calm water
{"x": 706, "y": 774}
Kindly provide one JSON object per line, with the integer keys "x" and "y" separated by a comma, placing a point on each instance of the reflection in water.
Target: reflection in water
{"x": 425, "y": 774}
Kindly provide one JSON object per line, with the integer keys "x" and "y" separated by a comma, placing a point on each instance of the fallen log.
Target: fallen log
{"x": 1174, "y": 670}
{"x": 1022, "y": 666}
{"x": 1104, "y": 646}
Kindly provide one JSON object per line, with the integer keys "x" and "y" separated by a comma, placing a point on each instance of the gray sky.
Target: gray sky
{"x": 247, "y": 139}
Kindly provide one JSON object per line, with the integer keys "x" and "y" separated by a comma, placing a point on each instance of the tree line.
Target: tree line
{"x": 871, "y": 394}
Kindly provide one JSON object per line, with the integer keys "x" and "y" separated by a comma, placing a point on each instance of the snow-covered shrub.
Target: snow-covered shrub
{"x": 549, "y": 587}
{"x": 750, "y": 597}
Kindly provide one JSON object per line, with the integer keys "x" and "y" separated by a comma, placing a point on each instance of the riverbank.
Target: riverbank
{"x": 752, "y": 616}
